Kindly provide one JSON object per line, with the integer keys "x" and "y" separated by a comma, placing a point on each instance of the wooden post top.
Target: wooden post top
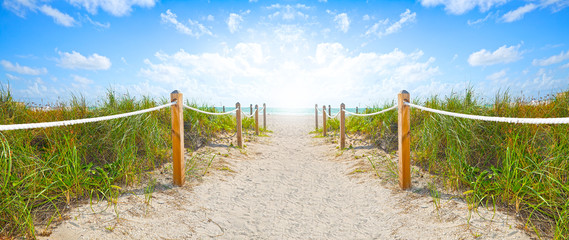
{"x": 343, "y": 105}
{"x": 324, "y": 107}
{"x": 237, "y": 104}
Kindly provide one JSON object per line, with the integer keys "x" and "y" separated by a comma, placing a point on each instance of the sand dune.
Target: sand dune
{"x": 285, "y": 186}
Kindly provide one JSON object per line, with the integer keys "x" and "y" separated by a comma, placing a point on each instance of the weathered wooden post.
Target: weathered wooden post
{"x": 178, "y": 163}
{"x": 403, "y": 127}
{"x": 324, "y": 120}
{"x": 256, "y": 119}
{"x": 356, "y": 110}
{"x": 329, "y": 111}
{"x": 251, "y": 108}
{"x": 316, "y": 116}
{"x": 238, "y": 117}
{"x": 264, "y": 116}
{"x": 223, "y": 108}
{"x": 342, "y": 126}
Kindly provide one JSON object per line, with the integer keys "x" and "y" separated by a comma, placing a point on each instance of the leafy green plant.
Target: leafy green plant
{"x": 43, "y": 170}
{"x": 523, "y": 166}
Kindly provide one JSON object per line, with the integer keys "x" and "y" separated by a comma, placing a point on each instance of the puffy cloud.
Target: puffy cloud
{"x": 498, "y": 77}
{"x": 519, "y": 13}
{"x": 381, "y": 28}
{"x": 462, "y": 6}
{"x": 22, "y": 69}
{"x": 551, "y": 60}
{"x": 195, "y": 29}
{"x": 59, "y": 17}
{"x": 501, "y": 55}
{"x": 114, "y": 7}
{"x": 82, "y": 80}
{"x": 253, "y": 72}
{"x": 75, "y": 60}
{"x": 233, "y": 22}
{"x": 343, "y": 22}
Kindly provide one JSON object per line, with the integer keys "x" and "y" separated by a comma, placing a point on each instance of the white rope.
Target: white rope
{"x": 210, "y": 113}
{"x": 79, "y": 121}
{"x": 369, "y": 114}
{"x": 496, "y": 119}
{"x": 335, "y": 115}
{"x": 247, "y": 115}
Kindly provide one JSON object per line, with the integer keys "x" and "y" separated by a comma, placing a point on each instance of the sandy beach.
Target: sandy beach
{"x": 289, "y": 185}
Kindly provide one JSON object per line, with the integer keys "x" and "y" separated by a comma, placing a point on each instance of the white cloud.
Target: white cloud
{"x": 366, "y": 17}
{"x": 551, "y": 60}
{"x": 98, "y": 24}
{"x": 195, "y": 29}
{"x": 288, "y": 12}
{"x": 210, "y": 18}
{"x": 501, "y": 55}
{"x": 565, "y": 66}
{"x": 479, "y": 21}
{"x": 12, "y": 77}
{"x": 22, "y": 69}
{"x": 59, "y": 17}
{"x": 81, "y": 80}
{"x": 343, "y": 22}
{"x": 381, "y": 29}
{"x": 254, "y": 72}
{"x": 459, "y": 7}
{"x": 114, "y": 7}
{"x": 233, "y": 22}
{"x": 519, "y": 13}
{"x": 75, "y": 60}
{"x": 498, "y": 78}
{"x": 20, "y": 7}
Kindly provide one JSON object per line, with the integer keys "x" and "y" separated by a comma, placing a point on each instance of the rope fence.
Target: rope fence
{"x": 79, "y": 121}
{"x": 495, "y": 119}
{"x": 403, "y": 128}
{"x": 177, "y": 106}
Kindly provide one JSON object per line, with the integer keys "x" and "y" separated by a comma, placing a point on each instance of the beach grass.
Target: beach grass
{"x": 522, "y": 167}
{"x": 42, "y": 171}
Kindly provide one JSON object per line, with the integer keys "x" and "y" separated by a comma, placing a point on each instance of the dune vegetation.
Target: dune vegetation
{"x": 523, "y": 167}
{"x": 42, "y": 171}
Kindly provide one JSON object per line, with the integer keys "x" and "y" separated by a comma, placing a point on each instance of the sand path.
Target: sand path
{"x": 286, "y": 188}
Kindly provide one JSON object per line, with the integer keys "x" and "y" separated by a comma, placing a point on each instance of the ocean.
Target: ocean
{"x": 290, "y": 111}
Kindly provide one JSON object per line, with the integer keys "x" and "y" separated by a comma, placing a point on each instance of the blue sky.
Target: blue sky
{"x": 284, "y": 53}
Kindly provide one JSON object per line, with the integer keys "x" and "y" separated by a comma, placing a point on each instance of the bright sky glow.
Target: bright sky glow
{"x": 284, "y": 53}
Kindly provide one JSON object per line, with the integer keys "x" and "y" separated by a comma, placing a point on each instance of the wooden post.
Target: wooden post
{"x": 329, "y": 111}
{"x": 223, "y": 108}
{"x": 238, "y": 117}
{"x": 324, "y": 121}
{"x": 256, "y": 119}
{"x": 403, "y": 128}
{"x": 316, "y": 116}
{"x": 356, "y": 110}
{"x": 178, "y": 163}
{"x": 251, "y": 108}
{"x": 342, "y": 126}
{"x": 264, "y": 116}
